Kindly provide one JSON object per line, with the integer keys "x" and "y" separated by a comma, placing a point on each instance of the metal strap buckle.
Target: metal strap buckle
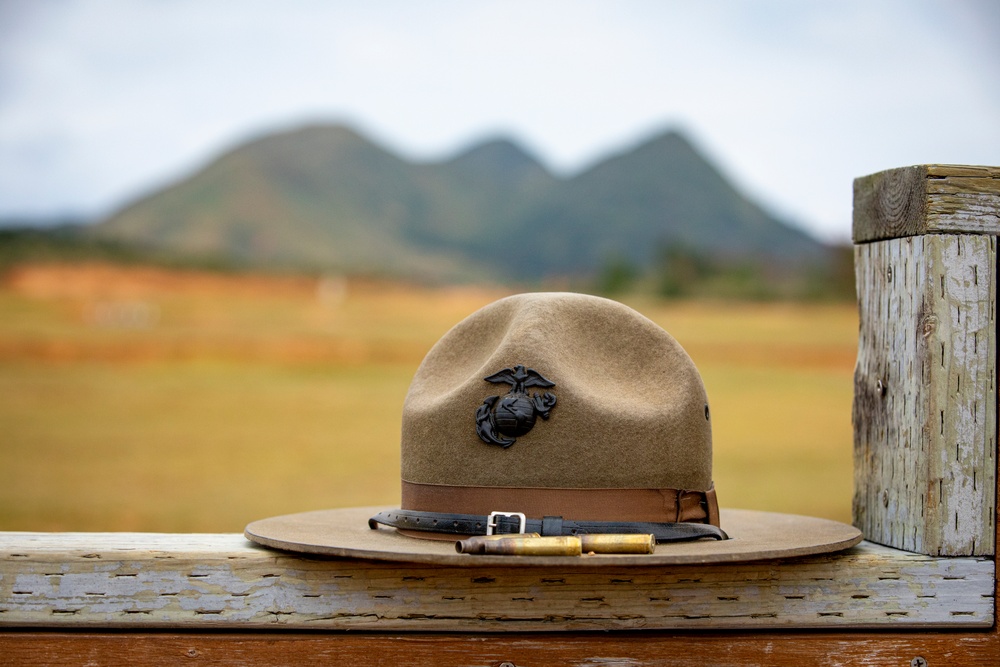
{"x": 491, "y": 522}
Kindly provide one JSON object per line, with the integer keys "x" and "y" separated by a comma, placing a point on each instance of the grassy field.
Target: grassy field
{"x": 149, "y": 400}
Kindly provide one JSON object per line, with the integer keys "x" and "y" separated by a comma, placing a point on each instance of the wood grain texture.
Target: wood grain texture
{"x": 512, "y": 650}
{"x": 927, "y": 199}
{"x": 925, "y": 397}
{"x": 201, "y": 582}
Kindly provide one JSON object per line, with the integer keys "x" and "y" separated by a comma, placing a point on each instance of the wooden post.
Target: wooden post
{"x": 925, "y": 398}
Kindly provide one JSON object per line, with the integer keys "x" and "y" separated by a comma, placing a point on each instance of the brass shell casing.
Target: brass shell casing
{"x": 521, "y": 545}
{"x": 618, "y": 544}
{"x": 570, "y": 545}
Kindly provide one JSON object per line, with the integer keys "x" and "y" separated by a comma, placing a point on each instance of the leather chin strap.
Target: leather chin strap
{"x": 441, "y": 523}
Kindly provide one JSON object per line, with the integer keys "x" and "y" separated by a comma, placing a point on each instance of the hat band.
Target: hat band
{"x": 655, "y": 505}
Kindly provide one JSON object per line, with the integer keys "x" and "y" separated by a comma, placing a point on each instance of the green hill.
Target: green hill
{"x": 314, "y": 198}
{"x": 324, "y": 197}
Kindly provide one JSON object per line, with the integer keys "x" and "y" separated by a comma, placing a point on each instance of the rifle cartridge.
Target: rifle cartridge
{"x": 475, "y": 544}
{"x": 618, "y": 544}
{"x": 521, "y": 545}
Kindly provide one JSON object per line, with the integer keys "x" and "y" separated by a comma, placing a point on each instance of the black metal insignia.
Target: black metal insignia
{"x": 514, "y": 414}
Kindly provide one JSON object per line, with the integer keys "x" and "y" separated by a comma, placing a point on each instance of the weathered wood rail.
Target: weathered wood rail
{"x": 921, "y": 591}
{"x": 136, "y": 580}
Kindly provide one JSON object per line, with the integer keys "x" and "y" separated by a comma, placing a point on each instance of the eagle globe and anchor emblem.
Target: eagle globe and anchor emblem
{"x": 501, "y": 420}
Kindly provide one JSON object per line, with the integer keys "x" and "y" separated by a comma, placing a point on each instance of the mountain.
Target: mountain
{"x": 317, "y": 197}
{"x": 325, "y": 197}
{"x": 660, "y": 194}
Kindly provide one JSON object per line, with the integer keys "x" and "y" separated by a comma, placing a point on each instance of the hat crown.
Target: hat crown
{"x": 628, "y": 407}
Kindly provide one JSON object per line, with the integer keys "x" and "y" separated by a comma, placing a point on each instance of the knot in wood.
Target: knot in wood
{"x": 880, "y": 387}
{"x": 928, "y": 325}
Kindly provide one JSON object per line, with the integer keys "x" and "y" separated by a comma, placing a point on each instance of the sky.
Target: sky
{"x": 103, "y": 102}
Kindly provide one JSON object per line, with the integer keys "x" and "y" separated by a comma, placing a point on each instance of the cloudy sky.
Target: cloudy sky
{"x": 103, "y": 101}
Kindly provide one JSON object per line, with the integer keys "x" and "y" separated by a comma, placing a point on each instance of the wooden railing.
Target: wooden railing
{"x": 922, "y": 591}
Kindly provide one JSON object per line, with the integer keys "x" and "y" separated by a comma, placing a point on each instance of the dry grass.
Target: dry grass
{"x": 140, "y": 399}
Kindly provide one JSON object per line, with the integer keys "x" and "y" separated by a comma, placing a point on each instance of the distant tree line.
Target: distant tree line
{"x": 71, "y": 243}
{"x": 676, "y": 272}
{"x": 681, "y": 272}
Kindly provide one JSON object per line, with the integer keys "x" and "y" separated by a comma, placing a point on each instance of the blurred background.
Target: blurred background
{"x": 230, "y": 232}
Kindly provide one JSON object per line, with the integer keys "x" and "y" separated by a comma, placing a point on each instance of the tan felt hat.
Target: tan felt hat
{"x": 558, "y": 414}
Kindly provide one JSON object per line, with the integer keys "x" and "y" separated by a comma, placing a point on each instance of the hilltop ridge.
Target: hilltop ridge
{"x": 326, "y": 197}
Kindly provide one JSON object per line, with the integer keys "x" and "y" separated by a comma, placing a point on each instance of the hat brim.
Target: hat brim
{"x": 753, "y": 536}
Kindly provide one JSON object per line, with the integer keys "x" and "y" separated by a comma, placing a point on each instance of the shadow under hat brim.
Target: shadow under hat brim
{"x": 753, "y": 536}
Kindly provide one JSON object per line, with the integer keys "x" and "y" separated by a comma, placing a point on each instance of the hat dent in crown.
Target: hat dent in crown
{"x": 631, "y": 410}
